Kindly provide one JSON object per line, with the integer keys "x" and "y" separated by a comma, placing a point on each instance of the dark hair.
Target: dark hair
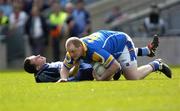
{"x": 28, "y": 67}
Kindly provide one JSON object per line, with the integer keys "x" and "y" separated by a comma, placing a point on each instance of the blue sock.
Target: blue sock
{"x": 155, "y": 65}
{"x": 143, "y": 51}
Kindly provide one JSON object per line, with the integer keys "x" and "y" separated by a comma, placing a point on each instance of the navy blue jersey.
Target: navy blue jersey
{"x": 50, "y": 72}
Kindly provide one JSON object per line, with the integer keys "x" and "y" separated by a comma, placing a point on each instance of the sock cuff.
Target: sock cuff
{"x": 143, "y": 51}
{"x": 155, "y": 65}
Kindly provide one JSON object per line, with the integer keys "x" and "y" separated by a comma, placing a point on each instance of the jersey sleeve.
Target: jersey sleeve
{"x": 68, "y": 61}
{"x": 103, "y": 57}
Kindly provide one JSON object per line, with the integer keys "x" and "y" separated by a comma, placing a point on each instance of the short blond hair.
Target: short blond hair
{"x": 73, "y": 40}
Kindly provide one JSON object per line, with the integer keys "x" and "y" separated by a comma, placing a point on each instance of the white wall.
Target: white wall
{"x": 3, "y": 63}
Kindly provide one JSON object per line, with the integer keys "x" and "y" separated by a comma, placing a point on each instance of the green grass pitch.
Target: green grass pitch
{"x": 19, "y": 92}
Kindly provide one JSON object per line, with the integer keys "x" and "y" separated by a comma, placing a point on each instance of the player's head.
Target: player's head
{"x": 33, "y": 63}
{"x": 74, "y": 47}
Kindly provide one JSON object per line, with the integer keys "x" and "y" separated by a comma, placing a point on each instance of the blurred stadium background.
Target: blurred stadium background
{"x": 130, "y": 18}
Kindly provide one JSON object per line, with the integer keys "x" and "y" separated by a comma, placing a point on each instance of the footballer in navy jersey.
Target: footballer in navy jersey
{"x": 50, "y": 72}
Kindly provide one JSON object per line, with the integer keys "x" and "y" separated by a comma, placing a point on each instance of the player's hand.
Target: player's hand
{"x": 62, "y": 80}
{"x": 77, "y": 63}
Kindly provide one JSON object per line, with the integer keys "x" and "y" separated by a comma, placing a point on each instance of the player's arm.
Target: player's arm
{"x": 108, "y": 61}
{"x": 113, "y": 67}
{"x": 64, "y": 73}
{"x": 66, "y": 67}
{"x": 74, "y": 70}
{"x": 109, "y": 72}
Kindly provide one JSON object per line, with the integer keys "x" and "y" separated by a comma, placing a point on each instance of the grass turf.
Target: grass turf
{"x": 19, "y": 92}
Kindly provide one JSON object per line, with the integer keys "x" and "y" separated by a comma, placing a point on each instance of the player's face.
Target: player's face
{"x": 37, "y": 60}
{"x": 75, "y": 52}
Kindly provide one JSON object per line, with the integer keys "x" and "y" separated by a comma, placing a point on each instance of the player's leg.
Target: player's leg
{"x": 158, "y": 65}
{"x": 134, "y": 73}
{"x": 143, "y": 51}
{"x": 150, "y": 49}
{"x": 129, "y": 64}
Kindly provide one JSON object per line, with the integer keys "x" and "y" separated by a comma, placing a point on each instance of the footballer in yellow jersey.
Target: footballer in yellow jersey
{"x": 115, "y": 50}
